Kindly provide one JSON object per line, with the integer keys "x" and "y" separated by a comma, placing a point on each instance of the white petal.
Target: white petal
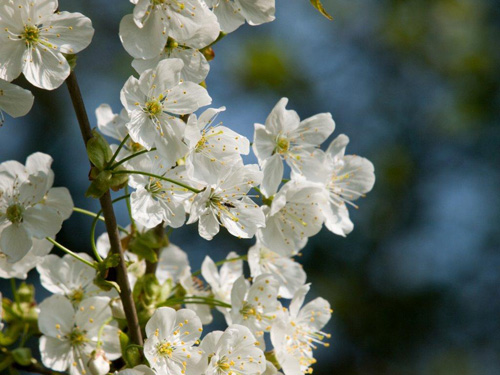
{"x": 11, "y": 57}
{"x": 146, "y": 42}
{"x": 56, "y": 354}
{"x": 15, "y": 242}
{"x": 70, "y": 32}
{"x": 15, "y": 100}
{"x": 56, "y": 316}
{"x": 42, "y": 221}
{"x": 186, "y": 98}
{"x": 60, "y": 200}
{"x": 45, "y": 68}
{"x": 273, "y": 175}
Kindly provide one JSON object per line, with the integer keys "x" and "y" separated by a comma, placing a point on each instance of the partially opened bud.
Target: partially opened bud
{"x": 98, "y": 363}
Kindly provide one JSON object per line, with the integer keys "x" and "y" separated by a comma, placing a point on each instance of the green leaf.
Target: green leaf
{"x": 319, "y": 6}
{"x": 22, "y": 356}
{"x": 100, "y": 185}
{"x": 146, "y": 244}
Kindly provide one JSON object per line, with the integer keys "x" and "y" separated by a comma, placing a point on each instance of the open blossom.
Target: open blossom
{"x": 221, "y": 281}
{"x": 212, "y": 148}
{"x": 14, "y": 100}
{"x": 294, "y": 216}
{"x": 34, "y": 39}
{"x": 151, "y": 102}
{"x": 68, "y": 276}
{"x": 193, "y": 287}
{"x": 70, "y": 337}
{"x": 171, "y": 264}
{"x": 156, "y": 200}
{"x": 20, "y": 269}
{"x": 231, "y": 14}
{"x": 29, "y": 205}
{"x": 255, "y": 306}
{"x": 285, "y": 137}
{"x": 225, "y": 202}
{"x": 171, "y": 336}
{"x": 145, "y": 32}
{"x": 290, "y": 274}
{"x": 196, "y": 66}
{"x": 234, "y": 351}
{"x": 298, "y": 331}
{"x": 344, "y": 178}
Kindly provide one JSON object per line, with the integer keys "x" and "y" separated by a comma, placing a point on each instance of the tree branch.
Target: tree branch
{"x": 110, "y": 219}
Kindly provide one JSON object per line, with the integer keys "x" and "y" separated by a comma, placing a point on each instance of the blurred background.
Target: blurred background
{"x": 415, "y": 85}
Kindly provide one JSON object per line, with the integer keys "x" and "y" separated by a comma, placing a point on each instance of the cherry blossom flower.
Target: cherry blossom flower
{"x": 225, "y": 202}
{"x": 255, "y": 306}
{"x": 20, "y": 269}
{"x": 298, "y": 331}
{"x": 171, "y": 264}
{"x": 145, "y": 32}
{"x": 14, "y": 100}
{"x": 221, "y": 281}
{"x": 285, "y": 137}
{"x": 234, "y": 351}
{"x": 70, "y": 337}
{"x": 151, "y": 102}
{"x": 212, "y": 148}
{"x": 344, "y": 179}
{"x": 35, "y": 39}
{"x": 68, "y": 276}
{"x": 171, "y": 336}
{"x": 29, "y": 205}
{"x": 290, "y": 274}
{"x": 294, "y": 216}
{"x": 231, "y": 14}
{"x": 196, "y": 66}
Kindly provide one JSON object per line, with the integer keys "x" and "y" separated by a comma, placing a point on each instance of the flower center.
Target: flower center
{"x": 15, "y": 213}
{"x": 77, "y": 295}
{"x": 282, "y": 145}
{"x": 77, "y": 338}
{"x": 31, "y": 34}
{"x": 153, "y": 107}
{"x": 165, "y": 349}
{"x": 249, "y": 310}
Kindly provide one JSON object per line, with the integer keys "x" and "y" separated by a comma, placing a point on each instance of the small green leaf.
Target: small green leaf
{"x": 100, "y": 185}
{"x": 319, "y": 6}
{"x": 22, "y": 356}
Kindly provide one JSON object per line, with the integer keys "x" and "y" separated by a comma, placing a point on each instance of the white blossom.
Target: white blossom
{"x": 14, "y": 100}
{"x": 171, "y": 336}
{"x": 34, "y": 40}
{"x": 298, "y": 331}
{"x": 285, "y": 137}
{"x": 1, "y": 311}
{"x": 193, "y": 287}
{"x": 344, "y": 179}
{"x": 156, "y": 200}
{"x": 29, "y": 205}
{"x": 145, "y": 32}
{"x": 255, "y": 306}
{"x": 212, "y": 148}
{"x": 234, "y": 351}
{"x": 70, "y": 337}
{"x": 290, "y": 274}
{"x": 153, "y": 100}
{"x": 225, "y": 202}
{"x": 231, "y": 14}
{"x": 221, "y": 281}
{"x": 99, "y": 364}
{"x": 20, "y": 269}
{"x": 294, "y": 216}
{"x": 68, "y": 276}
{"x": 171, "y": 264}
{"x": 196, "y": 66}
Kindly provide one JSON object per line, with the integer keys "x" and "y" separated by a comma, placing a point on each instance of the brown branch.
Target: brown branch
{"x": 110, "y": 219}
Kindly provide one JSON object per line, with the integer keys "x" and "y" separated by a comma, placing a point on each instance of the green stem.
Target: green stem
{"x": 101, "y": 330}
{"x": 131, "y": 157}
{"x": 160, "y": 178}
{"x": 221, "y": 262}
{"x": 118, "y": 150}
{"x": 101, "y": 218}
{"x": 195, "y": 300}
{"x": 129, "y": 209}
{"x": 68, "y": 251}
{"x": 94, "y": 225}
{"x": 14, "y": 291}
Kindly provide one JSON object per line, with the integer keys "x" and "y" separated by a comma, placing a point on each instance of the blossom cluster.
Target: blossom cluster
{"x": 184, "y": 167}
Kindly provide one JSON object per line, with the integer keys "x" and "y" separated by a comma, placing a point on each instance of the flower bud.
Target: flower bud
{"x": 117, "y": 308}
{"x": 98, "y": 363}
